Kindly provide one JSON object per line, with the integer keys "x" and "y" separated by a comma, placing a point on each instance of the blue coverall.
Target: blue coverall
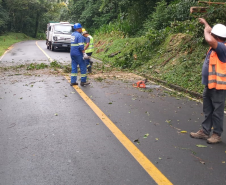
{"x": 77, "y": 46}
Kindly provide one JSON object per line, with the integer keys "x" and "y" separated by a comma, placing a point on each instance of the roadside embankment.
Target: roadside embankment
{"x": 176, "y": 60}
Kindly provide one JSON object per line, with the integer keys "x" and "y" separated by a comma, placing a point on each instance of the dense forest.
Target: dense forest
{"x": 133, "y": 17}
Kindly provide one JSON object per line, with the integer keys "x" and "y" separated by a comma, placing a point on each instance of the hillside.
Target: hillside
{"x": 177, "y": 60}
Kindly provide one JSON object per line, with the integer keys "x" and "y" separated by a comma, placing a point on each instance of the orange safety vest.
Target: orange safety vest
{"x": 217, "y": 72}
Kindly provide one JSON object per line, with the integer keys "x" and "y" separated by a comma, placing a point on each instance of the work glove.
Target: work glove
{"x": 85, "y": 56}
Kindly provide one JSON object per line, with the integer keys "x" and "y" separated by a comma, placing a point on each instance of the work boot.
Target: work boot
{"x": 89, "y": 69}
{"x": 199, "y": 135}
{"x": 215, "y": 138}
{"x": 84, "y": 83}
{"x": 74, "y": 84}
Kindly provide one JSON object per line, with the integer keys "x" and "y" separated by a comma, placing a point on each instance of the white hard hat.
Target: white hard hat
{"x": 85, "y": 32}
{"x": 219, "y": 30}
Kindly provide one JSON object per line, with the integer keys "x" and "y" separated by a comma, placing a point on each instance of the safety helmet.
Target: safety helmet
{"x": 85, "y": 32}
{"x": 83, "y": 29}
{"x": 77, "y": 26}
{"x": 219, "y": 30}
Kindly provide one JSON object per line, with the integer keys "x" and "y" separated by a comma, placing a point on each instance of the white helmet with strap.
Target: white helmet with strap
{"x": 219, "y": 30}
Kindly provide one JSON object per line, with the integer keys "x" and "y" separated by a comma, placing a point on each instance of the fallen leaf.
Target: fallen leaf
{"x": 183, "y": 131}
{"x": 156, "y": 139}
{"x": 201, "y": 146}
{"x": 160, "y": 158}
{"x": 223, "y": 162}
{"x": 56, "y": 114}
{"x": 202, "y": 162}
{"x": 136, "y": 141}
{"x": 168, "y": 121}
{"x": 72, "y": 92}
{"x": 146, "y": 135}
{"x": 110, "y": 103}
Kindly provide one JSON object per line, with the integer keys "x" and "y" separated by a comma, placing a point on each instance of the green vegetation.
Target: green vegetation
{"x": 38, "y": 66}
{"x": 177, "y": 59}
{"x": 30, "y": 17}
{"x": 157, "y": 38}
{"x": 8, "y": 39}
{"x": 33, "y": 66}
{"x": 170, "y": 47}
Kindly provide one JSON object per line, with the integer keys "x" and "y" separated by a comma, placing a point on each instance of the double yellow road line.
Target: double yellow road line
{"x": 148, "y": 166}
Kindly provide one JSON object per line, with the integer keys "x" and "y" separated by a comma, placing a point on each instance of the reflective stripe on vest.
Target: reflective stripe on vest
{"x": 79, "y": 44}
{"x": 90, "y": 49}
{"x": 217, "y": 73}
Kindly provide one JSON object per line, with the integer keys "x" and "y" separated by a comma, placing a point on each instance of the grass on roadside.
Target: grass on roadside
{"x": 177, "y": 59}
{"x": 9, "y": 39}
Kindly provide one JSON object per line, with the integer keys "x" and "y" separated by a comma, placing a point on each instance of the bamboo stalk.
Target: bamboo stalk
{"x": 210, "y": 2}
{"x": 198, "y": 9}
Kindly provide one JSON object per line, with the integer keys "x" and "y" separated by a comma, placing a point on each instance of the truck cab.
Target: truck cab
{"x": 58, "y": 35}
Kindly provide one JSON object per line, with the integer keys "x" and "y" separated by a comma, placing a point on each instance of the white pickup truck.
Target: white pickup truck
{"x": 58, "y": 35}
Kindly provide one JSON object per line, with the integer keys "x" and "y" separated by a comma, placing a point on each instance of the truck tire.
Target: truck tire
{"x": 52, "y": 48}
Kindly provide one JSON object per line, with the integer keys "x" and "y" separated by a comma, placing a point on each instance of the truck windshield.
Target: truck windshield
{"x": 63, "y": 29}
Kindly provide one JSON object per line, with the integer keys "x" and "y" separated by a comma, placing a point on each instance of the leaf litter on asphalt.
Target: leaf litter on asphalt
{"x": 136, "y": 141}
{"x": 146, "y": 135}
{"x": 201, "y": 146}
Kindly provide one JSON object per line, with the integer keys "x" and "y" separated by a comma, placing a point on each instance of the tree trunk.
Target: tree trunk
{"x": 36, "y": 24}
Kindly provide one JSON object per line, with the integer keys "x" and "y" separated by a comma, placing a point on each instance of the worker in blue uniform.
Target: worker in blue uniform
{"x": 77, "y": 56}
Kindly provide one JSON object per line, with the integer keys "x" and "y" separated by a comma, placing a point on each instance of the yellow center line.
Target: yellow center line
{"x": 148, "y": 166}
{"x": 49, "y": 58}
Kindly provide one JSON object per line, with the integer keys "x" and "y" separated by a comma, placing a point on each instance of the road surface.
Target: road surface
{"x": 54, "y": 134}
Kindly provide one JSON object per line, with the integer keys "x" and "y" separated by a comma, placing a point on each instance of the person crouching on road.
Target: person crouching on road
{"x": 214, "y": 79}
{"x": 77, "y": 56}
{"x": 89, "y": 48}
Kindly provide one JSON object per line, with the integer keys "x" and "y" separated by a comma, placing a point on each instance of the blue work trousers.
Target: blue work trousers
{"x": 75, "y": 61}
{"x": 88, "y": 61}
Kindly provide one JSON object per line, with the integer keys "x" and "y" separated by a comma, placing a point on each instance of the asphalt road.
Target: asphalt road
{"x": 50, "y": 136}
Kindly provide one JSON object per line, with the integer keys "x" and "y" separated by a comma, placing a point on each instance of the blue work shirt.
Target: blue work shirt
{"x": 221, "y": 53}
{"x": 77, "y": 44}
